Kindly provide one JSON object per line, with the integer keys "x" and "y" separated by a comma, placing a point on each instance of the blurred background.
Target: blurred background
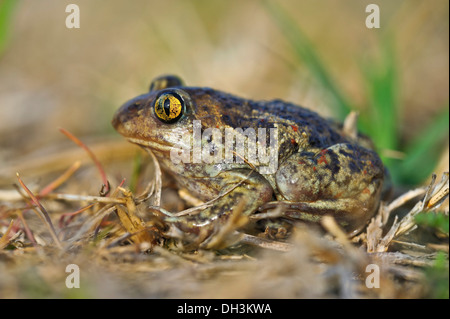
{"x": 318, "y": 54}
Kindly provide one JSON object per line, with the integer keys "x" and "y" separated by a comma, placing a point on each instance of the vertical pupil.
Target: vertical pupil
{"x": 167, "y": 106}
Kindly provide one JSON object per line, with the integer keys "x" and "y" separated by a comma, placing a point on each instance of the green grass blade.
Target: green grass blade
{"x": 381, "y": 119}
{"x": 437, "y": 277}
{"x": 306, "y": 53}
{"x": 437, "y": 220}
{"x": 423, "y": 153}
{"x": 6, "y": 10}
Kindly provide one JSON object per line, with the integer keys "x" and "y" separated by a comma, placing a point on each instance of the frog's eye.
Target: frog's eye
{"x": 169, "y": 107}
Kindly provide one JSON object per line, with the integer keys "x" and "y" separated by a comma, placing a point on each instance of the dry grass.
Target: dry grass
{"x": 124, "y": 249}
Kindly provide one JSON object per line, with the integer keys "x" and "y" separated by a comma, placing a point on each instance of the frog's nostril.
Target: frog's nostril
{"x": 133, "y": 106}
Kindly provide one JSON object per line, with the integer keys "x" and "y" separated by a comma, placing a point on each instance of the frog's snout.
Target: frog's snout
{"x": 126, "y": 116}
{"x": 116, "y": 121}
{"x": 119, "y": 118}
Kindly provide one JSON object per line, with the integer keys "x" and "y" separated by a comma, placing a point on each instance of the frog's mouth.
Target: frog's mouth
{"x": 159, "y": 147}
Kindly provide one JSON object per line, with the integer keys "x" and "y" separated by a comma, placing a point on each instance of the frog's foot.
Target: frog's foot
{"x": 343, "y": 180}
{"x": 275, "y": 228}
{"x": 243, "y": 191}
{"x": 347, "y": 212}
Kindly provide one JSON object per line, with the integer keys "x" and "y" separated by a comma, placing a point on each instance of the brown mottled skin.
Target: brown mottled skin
{"x": 320, "y": 170}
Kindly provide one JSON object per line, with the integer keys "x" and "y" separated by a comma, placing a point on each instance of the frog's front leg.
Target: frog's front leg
{"x": 343, "y": 180}
{"x": 241, "y": 189}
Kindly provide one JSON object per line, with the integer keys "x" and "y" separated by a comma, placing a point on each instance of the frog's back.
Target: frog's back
{"x": 320, "y": 132}
{"x": 218, "y": 109}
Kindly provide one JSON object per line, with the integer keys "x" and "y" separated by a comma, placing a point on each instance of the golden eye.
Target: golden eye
{"x": 169, "y": 107}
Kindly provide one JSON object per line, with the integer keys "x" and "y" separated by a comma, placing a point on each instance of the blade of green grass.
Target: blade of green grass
{"x": 6, "y": 11}
{"x": 436, "y": 220}
{"x": 306, "y": 53}
{"x": 423, "y": 152}
{"x": 380, "y": 120}
{"x": 437, "y": 277}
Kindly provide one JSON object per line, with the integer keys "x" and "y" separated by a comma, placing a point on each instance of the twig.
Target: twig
{"x": 88, "y": 198}
{"x": 439, "y": 191}
{"x": 330, "y": 224}
{"x": 27, "y": 230}
{"x": 434, "y": 196}
{"x": 43, "y": 212}
{"x": 414, "y": 245}
{"x": 158, "y": 181}
{"x": 71, "y": 214}
{"x": 88, "y": 224}
{"x": 91, "y": 155}
{"x": 401, "y": 200}
{"x": 265, "y": 243}
{"x": 190, "y": 211}
{"x": 61, "y": 179}
{"x": 402, "y": 259}
{"x": 4, "y": 240}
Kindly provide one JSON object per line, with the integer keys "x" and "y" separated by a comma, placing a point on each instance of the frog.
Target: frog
{"x": 320, "y": 168}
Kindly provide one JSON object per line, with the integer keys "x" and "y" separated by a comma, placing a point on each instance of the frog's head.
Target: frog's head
{"x": 156, "y": 120}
